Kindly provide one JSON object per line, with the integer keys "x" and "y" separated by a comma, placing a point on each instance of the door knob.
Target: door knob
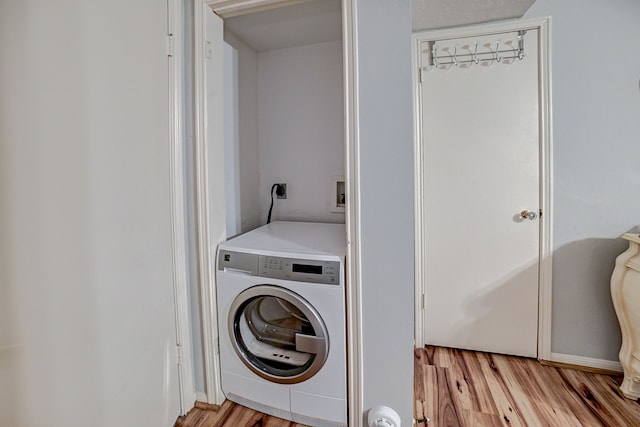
{"x": 528, "y": 214}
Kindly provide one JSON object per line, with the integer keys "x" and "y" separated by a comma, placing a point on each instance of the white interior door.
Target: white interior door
{"x": 480, "y": 128}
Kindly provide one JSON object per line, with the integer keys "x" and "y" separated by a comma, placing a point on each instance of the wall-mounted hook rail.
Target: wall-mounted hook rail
{"x": 442, "y": 60}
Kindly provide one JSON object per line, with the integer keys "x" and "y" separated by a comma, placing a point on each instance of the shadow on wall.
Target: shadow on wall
{"x": 584, "y": 322}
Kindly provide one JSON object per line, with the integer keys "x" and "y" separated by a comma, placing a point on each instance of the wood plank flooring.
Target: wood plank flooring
{"x": 232, "y": 415}
{"x": 458, "y": 388}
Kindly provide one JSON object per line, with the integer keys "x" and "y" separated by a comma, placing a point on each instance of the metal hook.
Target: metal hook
{"x": 498, "y": 57}
{"x": 455, "y": 55}
{"x": 521, "y": 34}
{"x": 515, "y": 53}
{"x": 475, "y": 54}
{"x": 434, "y": 55}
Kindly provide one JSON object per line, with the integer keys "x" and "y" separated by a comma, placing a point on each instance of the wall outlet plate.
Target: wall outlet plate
{"x": 281, "y": 192}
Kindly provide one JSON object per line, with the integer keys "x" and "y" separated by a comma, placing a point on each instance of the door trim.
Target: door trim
{"x": 352, "y": 217}
{"x": 184, "y": 347}
{"x": 546, "y": 163}
{"x": 206, "y": 247}
{"x": 353, "y": 263}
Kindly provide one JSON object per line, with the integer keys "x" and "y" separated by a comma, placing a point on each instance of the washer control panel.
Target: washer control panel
{"x": 299, "y": 270}
{"x": 294, "y": 269}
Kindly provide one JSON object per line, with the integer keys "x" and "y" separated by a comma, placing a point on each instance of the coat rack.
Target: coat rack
{"x": 471, "y": 55}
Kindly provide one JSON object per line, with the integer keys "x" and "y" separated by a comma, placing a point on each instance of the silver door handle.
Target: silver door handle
{"x": 310, "y": 344}
{"x": 528, "y": 214}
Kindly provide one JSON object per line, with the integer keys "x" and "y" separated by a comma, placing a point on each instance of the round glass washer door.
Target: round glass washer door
{"x": 278, "y": 334}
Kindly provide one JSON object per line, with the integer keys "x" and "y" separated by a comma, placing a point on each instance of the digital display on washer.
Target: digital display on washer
{"x": 304, "y": 268}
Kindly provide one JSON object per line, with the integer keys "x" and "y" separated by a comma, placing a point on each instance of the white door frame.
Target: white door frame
{"x": 355, "y": 388}
{"x": 206, "y": 248}
{"x": 544, "y": 88}
{"x": 352, "y": 173}
{"x": 184, "y": 348}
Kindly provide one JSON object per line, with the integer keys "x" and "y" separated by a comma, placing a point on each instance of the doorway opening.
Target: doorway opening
{"x": 282, "y": 153}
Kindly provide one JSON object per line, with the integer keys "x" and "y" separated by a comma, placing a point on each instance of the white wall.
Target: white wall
{"x": 300, "y": 129}
{"x": 596, "y": 124}
{"x": 386, "y": 196}
{"x": 247, "y": 173}
{"x": 87, "y": 326}
{"x": 231, "y": 142}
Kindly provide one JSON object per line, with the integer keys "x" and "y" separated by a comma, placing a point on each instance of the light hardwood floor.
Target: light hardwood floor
{"x": 231, "y": 415}
{"x": 469, "y": 389}
{"x": 457, "y": 388}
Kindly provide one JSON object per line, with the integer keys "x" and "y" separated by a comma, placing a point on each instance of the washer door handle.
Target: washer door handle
{"x": 310, "y": 344}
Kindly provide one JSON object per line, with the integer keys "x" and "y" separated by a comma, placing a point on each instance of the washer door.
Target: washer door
{"x": 278, "y": 334}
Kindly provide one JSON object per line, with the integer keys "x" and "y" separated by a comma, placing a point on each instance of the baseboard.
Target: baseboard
{"x": 587, "y": 362}
{"x": 206, "y": 406}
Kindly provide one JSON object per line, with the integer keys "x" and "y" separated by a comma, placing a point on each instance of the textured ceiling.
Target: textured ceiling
{"x": 431, "y": 14}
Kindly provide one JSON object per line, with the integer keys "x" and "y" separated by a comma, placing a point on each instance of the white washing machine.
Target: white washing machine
{"x": 281, "y": 317}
